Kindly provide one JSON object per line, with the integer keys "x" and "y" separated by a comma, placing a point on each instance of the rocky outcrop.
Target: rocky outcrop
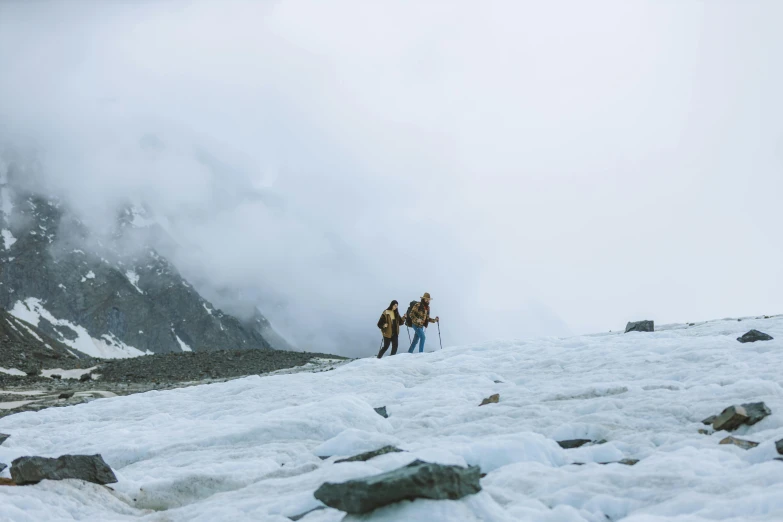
{"x": 753, "y": 336}
{"x": 416, "y": 480}
{"x": 382, "y": 412}
{"x": 640, "y": 326}
{"x": 100, "y": 300}
{"x": 28, "y": 349}
{"x": 91, "y": 468}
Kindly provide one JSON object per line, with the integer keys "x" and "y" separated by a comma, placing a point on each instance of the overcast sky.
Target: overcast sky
{"x": 542, "y": 168}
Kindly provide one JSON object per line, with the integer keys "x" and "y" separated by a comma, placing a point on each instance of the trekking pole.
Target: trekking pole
{"x": 439, "y": 339}
{"x": 409, "y": 334}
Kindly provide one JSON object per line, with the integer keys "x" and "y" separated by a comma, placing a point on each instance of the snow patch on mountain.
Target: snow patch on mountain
{"x": 8, "y": 239}
{"x": 183, "y": 344}
{"x": 33, "y": 311}
{"x": 133, "y": 277}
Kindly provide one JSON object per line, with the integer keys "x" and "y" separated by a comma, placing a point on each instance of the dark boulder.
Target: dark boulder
{"x": 85, "y": 377}
{"x": 416, "y": 480}
{"x": 364, "y": 457}
{"x": 3, "y": 437}
{"x": 2, "y": 467}
{"x": 640, "y": 326}
{"x": 753, "y": 336}
{"x": 709, "y": 420}
{"x": 65, "y": 395}
{"x": 382, "y": 412}
{"x": 492, "y": 399}
{"x": 779, "y": 446}
{"x": 56, "y": 376}
{"x": 91, "y": 468}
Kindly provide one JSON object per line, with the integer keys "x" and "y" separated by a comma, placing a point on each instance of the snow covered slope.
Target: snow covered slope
{"x": 249, "y": 449}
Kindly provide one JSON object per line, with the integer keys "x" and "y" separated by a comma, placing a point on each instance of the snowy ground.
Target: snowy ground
{"x": 249, "y": 449}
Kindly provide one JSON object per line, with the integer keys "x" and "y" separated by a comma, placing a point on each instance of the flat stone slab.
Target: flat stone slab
{"x": 574, "y": 443}
{"x": 640, "y": 326}
{"x": 416, "y": 480}
{"x": 90, "y": 468}
{"x": 756, "y": 411}
{"x": 753, "y": 336}
{"x": 742, "y": 443}
{"x": 492, "y": 399}
{"x": 364, "y": 457}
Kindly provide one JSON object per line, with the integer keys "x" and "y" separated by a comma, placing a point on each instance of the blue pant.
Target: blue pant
{"x": 419, "y": 337}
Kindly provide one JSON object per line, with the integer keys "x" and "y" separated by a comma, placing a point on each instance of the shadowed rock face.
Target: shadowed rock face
{"x": 91, "y": 468}
{"x": 416, "y": 480}
{"x": 52, "y": 268}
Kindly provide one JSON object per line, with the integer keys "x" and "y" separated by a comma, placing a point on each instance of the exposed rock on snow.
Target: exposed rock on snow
{"x": 753, "y": 336}
{"x": 2, "y": 467}
{"x": 779, "y": 446}
{"x": 91, "y": 468}
{"x": 492, "y": 399}
{"x": 742, "y": 443}
{"x": 416, "y": 480}
{"x": 731, "y": 418}
{"x": 65, "y": 395}
{"x": 382, "y": 412}
{"x": 640, "y": 326}
{"x": 575, "y": 443}
{"x": 3, "y": 438}
{"x": 363, "y": 457}
{"x": 735, "y": 416}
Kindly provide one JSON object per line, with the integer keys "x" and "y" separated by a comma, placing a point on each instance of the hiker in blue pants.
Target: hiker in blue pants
{"x": 420, "y": 319}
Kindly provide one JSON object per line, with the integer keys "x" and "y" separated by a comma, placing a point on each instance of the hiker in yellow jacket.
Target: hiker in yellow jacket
{"x": 390, "y": 323}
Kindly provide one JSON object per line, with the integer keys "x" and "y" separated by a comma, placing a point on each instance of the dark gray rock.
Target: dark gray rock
{"x": 364, "y": 457}
{"x": 56, "y": 376}
{"x": 753, "y": 336}
{"x": 416, "y": 480}
{"x": 2, "y": 467}
{"x": 730, "y": 419}
{"x": 85, "y": 377}
{"x": 709, "y": 420}
{"x": 735, "y": 416}
{"x": 382, "y": 412}
{"x": 65, "y": 395}
{"x": 492, "y": 399}
{"x": 3, "y": 438}
{"x": 574, "y": 443}
{"x": 756, "y": 411}
{"x": 779, "y": 446}
{"x": 640, "y": 326}
{"x": 91, "y": 468}
{"x": 742, "y": 443}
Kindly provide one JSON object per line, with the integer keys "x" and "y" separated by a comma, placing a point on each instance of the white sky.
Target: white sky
{"x": 541, "y": 168}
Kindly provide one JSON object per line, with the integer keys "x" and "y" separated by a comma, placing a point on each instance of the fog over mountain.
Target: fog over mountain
{"x": 317, "y": 160}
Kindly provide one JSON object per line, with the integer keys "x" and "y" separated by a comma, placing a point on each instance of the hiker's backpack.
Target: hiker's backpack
{"x": 408, "y": 321}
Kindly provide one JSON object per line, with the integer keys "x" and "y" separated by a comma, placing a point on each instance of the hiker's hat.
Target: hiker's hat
{"x": 426, "y": 296}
